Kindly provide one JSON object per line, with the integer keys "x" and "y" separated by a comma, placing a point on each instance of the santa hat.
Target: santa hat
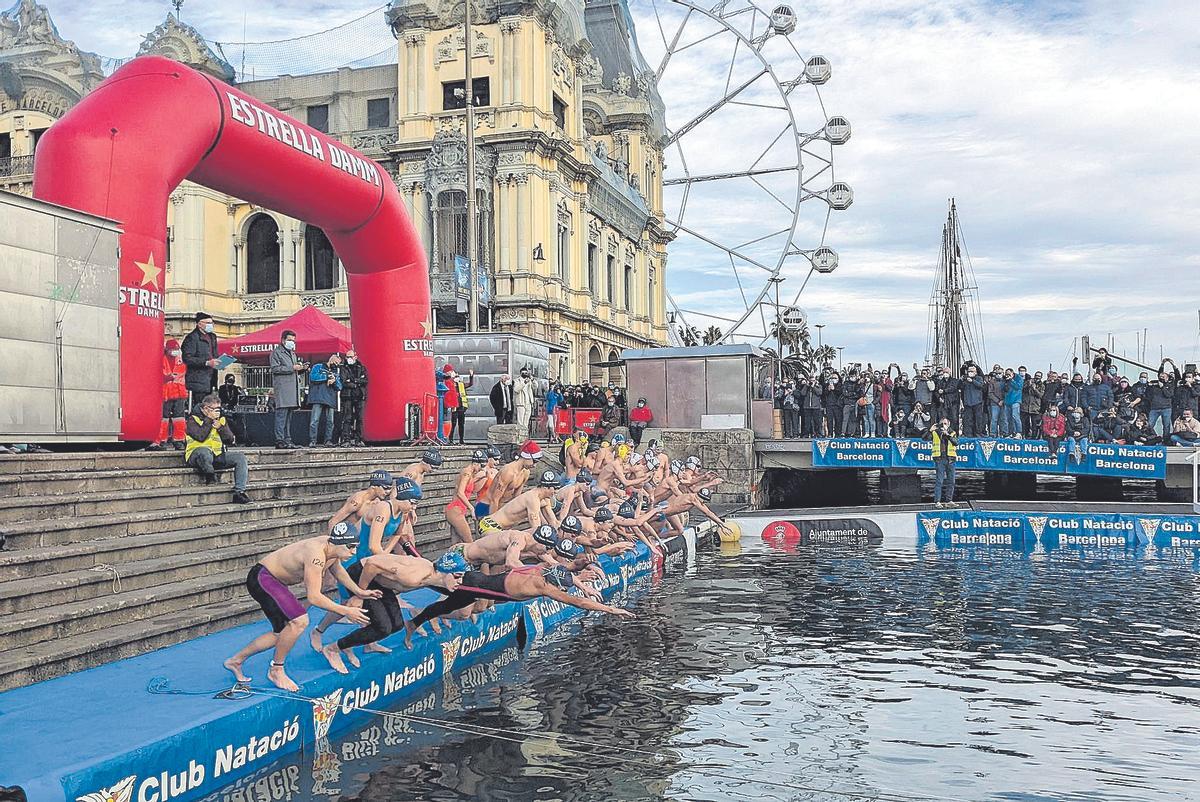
{"x": 531, "y": 450}
{"x": 172, "y": 345}
{"x": 447, "y": 368}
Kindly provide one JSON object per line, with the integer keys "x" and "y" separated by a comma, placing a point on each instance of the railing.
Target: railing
{"x": 16, "y": 166}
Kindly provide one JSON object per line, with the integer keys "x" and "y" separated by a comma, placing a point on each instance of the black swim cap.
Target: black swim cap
{"x": 627, "y": 510}
{"x": 548, "y": 479}
{"x": 479, "y": 455}
{"x": 603, "y": 515}
{"x": 343, "y": 535}
{"x": 545, "y": 535}
{"x": 433, "y": 457}
{"x": 494, "y": 453}
{"x": 705, "y": 494}
{"x": 568, "y": 548}
{"x": 584, "y": 477}
{"x": 572, "y": 525}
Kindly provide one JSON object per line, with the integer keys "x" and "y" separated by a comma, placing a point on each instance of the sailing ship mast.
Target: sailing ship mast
{"x": 955, "y": 326}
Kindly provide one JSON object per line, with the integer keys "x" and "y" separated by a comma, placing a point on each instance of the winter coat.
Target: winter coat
{"x": 973, "y": 390}
{"x": 1031, "y": 396}
{"x": 285, "y": 379}
{"x": 1054, "y": 426}
{"x": 811, "y": 397}
{"x": 354, "y": 382}
{"x": 523, "y": 392}
{"x": 1015, "y": 387}
{"x": 501, "y": 397}
{"x": 923, "y": 391}
{"x": 997, "y": 388}
{"x": 1073, "y": 394}
{"x": 198, "y": 348}
{"x": 320, "y": 391}
{"x": 1186, "y": 396}
{"x": 903, "y": 396}
{"x": 1097, "y": 396}
{"x": 948, "y": 392}
{"x": 1079, "y": 428}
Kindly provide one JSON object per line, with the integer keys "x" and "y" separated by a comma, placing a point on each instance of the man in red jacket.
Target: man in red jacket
{"x": 639, "y": 418}
{"x": 1054, "y": 426}
{"x": 175, "y": 398}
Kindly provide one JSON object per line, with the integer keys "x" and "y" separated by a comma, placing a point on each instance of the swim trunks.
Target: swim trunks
{"x": 276, "y": 601}
{"x": 482, "y": 508}
{"x": 461, "y": 548}
{"x": 488, "y": 524}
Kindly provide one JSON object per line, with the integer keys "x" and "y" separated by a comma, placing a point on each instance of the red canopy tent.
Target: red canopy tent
{"x": 317, "y": 336}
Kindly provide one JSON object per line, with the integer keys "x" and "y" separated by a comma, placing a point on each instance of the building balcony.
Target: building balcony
{"x": 16, "y": 167}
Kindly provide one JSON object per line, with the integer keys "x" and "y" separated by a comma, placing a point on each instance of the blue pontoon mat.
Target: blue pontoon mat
{"x": 103, "y": 735}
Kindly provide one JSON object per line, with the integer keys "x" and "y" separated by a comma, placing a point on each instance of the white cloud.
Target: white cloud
{"x": 1066, "y": 131}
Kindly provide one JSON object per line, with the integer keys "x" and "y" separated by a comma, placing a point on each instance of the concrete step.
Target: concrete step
{"x": 54, "y": 531}
{"x": 53, "y": 658}
{"x": 135, "y": 460}
{"x": 60, "y": 483}
{"x": 48, "y": 562}
{"x": 69, "y": 507}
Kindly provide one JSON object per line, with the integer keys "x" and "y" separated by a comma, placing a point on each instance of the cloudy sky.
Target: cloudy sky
{"x": 1067, "y": 132}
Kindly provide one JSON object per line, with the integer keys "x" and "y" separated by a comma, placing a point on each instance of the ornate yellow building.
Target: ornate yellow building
{"x": 568, "y": 179}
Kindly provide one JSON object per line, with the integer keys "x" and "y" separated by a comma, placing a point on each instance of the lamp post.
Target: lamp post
{"x": 777, "y": 280}
{"x": 472, "y": 233}
{"x": 841, "y": 365}
{"x": 818, "y": 327}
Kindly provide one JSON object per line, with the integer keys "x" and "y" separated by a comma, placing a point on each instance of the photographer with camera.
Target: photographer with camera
{"x": 207, "y": 450}
{"x": 945, "y": 454}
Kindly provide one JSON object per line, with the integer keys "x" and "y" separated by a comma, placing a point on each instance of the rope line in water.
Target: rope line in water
{"x": 519, "y": 736}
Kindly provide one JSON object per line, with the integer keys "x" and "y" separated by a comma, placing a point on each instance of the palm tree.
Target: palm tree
{"x": 712, "y": 335}
{"x": 689, "y": 335}
{"x": 800, "y": 356}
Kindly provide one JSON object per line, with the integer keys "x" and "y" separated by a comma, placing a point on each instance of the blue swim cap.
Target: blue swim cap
{"x": 584, "y": 477}
{"x": 618, "y": 439}
{"x": 568, "y": 548}
{"x": 545, "y": 535}
{"x": 433, "y": 458}
{"x": 407, "y": 489}
{"x": 381, "y": 479}
{"x": 452, "y": 562}
{"x": 627, "y": 510}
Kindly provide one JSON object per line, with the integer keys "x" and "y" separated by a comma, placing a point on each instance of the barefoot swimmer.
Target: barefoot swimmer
{"x": 389, "y": 574}
{"x": 268, "y": 581}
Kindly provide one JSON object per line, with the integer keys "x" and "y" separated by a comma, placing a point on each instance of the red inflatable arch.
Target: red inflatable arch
{"x": 121, "y": 151}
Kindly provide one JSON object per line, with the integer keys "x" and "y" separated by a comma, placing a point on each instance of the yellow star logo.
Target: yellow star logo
{"x": 150, "y": 271}
{"x": 427, "y": 326}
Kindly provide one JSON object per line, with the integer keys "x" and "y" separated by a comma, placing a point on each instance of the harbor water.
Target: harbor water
{"x": 881, "y": 672}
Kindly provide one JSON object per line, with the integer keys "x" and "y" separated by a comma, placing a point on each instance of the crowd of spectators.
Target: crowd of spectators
{"x": 1101, "y": 406}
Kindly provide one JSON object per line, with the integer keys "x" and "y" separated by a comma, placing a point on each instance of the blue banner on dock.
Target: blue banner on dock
{"x": 1019, "y": 530}
{"x": 990, "y": 454}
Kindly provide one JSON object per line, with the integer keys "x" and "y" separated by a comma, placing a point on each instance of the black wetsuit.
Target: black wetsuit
{"x": 476, "y": 585}
{"x": 385, "y": 613}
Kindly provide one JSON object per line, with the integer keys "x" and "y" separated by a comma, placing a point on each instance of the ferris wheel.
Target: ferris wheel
{"x": 748, "y": 178}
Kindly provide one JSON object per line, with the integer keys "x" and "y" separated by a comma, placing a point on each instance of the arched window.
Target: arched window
{"x": 320, "y": 263}
{"x": 615, "y": 374}
{"x": 595, "y": 373}
{"x": 262, "y": 255}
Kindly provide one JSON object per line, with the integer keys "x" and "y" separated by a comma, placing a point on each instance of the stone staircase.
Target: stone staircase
{"x": 116, "y": 554}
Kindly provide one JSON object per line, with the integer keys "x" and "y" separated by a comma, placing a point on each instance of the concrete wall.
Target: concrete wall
{"x": 59, "y": 378}
{"x": 729, "y": 452}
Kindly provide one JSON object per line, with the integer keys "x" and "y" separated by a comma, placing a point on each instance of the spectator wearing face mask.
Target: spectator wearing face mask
{"x": 610, "y": 418}
{"x": 974, "y": 393}
{"x": 996, "y": 390}
{"x": 502, "y": 399}
{"x": 523, "y": 400}
{"x": 554, "y": 400}
{"x": 1054, "y": 428}
{"x": 354, "y": 398}
{"x": 1140, "y": 388}
{"x": 639, "y": 418}
{"x": 1187, "y": 394}
{"x": 199, "y": 353}
{"x": 1108, "y": 428}
{"x": 850, "y": 394}
{"x": 831, "y": 397}
{"x": 1126, "y": 401}
{"x": 900, "y": 425}
{"x": 457, "y": 402}
{"x": 229, "y": 393}
{"x": 1141, "y": 434}
{"x": 789, "y": 410}
{"x": 903, "y": 396}
{"x": 175, "y": 399}
{"x": 1096, "y": 397}
{"x": 1079, "y": 433}
{"x": 1159, "y": 399}
{"x": 918, "y": 421}
{"x": 1032, "y": 395}
{"x": 923, "y": 387}
{"x": 1056, "y": 393}
{"x": 286, "y": 370}
{"x": 810, "y": 408}
{"x": 1012, "y": 399}
{"x": 948, "y": 398}
{"x": 324, "y": 384}
{"x": 1073, "y": 395}
{"x": 1102, "y": 362}
{"x": 1186, "y": 431}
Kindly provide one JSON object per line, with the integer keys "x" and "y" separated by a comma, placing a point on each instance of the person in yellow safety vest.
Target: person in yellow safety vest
{"x": 945, "y": 455}
{"x": 207, "y": 451}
